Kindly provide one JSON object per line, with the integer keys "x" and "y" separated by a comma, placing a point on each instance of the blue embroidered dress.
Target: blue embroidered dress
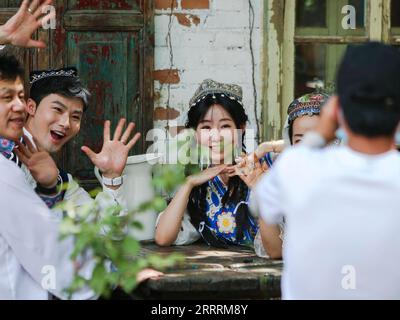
{"x": 222, "y": 218}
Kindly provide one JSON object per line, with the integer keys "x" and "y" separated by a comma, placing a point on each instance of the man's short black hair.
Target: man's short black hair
{"x": 68, "y": 87}
{"x": 10, "y": 68}
{"x": 368, "y": 84}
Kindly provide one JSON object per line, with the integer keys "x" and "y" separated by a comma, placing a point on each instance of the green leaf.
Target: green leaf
{"x": 99, "y": 280}
{"x": 130, "y": 246}
{"x": 159, "y": 204}
{"x": 129, "y": 284}
{"x": 80, "y": 245}
{"x": 136, "y": 225}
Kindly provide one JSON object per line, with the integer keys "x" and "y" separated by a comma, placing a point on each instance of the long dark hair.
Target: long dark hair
{"x": 237, "y": 189}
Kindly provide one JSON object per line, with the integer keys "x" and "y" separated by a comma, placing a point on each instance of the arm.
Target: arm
{"x": 267, "y": 201}
{"x": 170, "y": 221}
{"x": 269, "y": 146}
{"x": 32, "y": 232}
{"x": 270, "y": 236}
{"x": 106, "y": 199}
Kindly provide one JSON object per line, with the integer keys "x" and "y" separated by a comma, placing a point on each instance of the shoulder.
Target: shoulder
{"x": 9, "y": 171}
{"x": 12, "y": 179}
{"x": 297, "y": 158}
{"x": 295, "y": 166}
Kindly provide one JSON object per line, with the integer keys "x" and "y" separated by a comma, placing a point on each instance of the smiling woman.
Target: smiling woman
{"x": 212, "y": 204}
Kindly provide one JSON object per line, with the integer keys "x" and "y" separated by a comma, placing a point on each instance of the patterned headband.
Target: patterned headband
{"x": 309, "y": 104}
{"x": 208, "y": 86}
{"x": 35, "y": 76}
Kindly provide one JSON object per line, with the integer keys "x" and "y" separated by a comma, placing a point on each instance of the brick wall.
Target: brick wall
{"x": 210, "y": 39}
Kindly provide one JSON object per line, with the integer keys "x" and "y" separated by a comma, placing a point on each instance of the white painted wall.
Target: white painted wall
{"x": 218, "y": 48}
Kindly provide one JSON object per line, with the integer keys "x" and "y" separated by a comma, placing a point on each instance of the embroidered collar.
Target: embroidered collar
{"x": 6, "y": 147}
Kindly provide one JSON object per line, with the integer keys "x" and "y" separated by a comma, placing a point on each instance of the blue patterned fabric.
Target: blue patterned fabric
{"x": 7, "y": 150}
{"x": 222, "y": 219}
{"x": 51, "y": 201}
{"x": 6, "y": 147}
{"x": 268, "y": 159}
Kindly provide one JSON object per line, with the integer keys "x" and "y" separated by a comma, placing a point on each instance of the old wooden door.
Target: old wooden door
{"x": 111, "y": 43}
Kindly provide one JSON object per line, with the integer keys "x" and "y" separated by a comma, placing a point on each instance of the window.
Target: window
{"x": 304, "y": 42}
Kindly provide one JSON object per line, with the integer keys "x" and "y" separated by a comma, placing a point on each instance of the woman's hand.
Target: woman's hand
{"x": 249, "y": 169}
{"x": 147, "y": 274}
{"x": 205, "y": 175}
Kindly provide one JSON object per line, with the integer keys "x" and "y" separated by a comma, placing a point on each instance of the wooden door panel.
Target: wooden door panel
{"x": 106, "y": 62}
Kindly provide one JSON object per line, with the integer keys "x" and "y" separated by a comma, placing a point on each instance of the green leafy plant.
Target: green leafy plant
{"x": 101, "y": 235}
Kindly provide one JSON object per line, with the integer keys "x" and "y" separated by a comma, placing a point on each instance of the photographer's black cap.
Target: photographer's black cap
{"x": 369, "y": 77}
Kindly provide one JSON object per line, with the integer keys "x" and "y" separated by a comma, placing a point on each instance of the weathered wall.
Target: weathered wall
{"x": 208, "y": 39}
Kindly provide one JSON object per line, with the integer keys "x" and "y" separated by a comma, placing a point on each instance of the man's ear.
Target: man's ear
{"x": 31, "y": 107}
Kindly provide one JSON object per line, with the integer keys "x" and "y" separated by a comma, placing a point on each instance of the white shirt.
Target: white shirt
{"x": 29, "y": 243}
{"x": 342, "y": 214}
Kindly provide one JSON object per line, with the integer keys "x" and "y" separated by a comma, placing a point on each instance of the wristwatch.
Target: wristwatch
{"x": 117, "y": 181}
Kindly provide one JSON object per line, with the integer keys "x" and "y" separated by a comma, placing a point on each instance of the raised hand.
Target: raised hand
{"x": 18, "y": 30}
{"x": 111, "y": 160}
{"x": 39, "y": 162}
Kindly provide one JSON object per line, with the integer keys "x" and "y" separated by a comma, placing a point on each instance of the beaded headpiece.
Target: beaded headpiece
{"x": 35, "y": 76}
{"x": 211, "y": 87}
{"x": 309, "y": 104}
